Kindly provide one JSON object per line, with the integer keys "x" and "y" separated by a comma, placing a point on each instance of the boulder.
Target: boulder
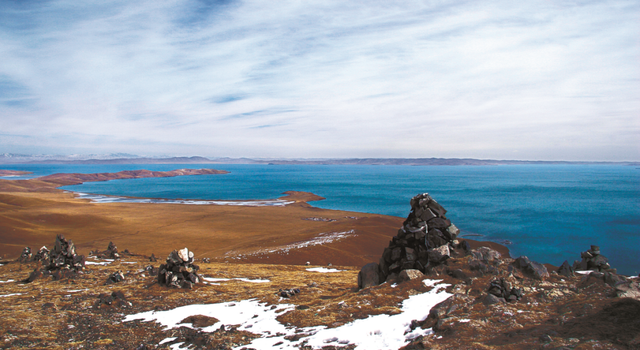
{"x": 439, "y": 255}
{"x": 485, "y": 255}
{"x": 531, "y": 268}
{"x": 407, "y": 275}
{"x": 369, "y": 276}
{"x": 566, "y": 269}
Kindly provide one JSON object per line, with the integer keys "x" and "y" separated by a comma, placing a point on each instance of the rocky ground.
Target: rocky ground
{"x": 86, "y": 311}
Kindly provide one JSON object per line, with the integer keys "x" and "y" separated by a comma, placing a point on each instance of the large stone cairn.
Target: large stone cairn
{"x": 424, "y": 241}
{"x": 62, "y": 261}
{"x": 64, "y": 256}
{"x": 179, "y": 271}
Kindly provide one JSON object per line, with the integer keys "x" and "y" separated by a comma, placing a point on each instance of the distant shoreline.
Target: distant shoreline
{"x": 25, "y": 159}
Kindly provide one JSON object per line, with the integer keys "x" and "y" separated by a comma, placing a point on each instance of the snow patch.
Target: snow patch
{"x": 321, "y": 238}
{"x": 374, "y": 332}
{"x": 10, "y": 295}
{"x": 323, "y": 270}
{"x": 97, "y": 198}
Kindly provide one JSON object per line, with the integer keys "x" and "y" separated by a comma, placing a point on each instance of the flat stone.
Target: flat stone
{"x": 532, "y": 268}
{"x": 183, "y": 254}
{"x": 439, "y": 254}
{"x": 407, "y": 275}
{"x": 491, "y": 299}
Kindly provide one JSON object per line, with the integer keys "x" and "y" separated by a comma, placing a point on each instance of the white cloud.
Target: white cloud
{"x": 552, "y": 80}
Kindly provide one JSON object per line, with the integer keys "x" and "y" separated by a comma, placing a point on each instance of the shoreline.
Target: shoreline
{"x": 39, "y": 210}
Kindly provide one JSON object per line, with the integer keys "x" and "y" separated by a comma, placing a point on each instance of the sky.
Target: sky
{"x": 534, "y": 80}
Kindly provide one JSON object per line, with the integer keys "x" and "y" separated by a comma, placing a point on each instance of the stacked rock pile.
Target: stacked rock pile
{"x": 500, "y": 290}
{"x": 179, "y": 271}
{"x": 288, "y": 293}
{"x": 26, "y": 255}
{"x": 64, "y": 256}
{"x": 424, "y": 241}
{"x": 112, "y": 251}
{"x": 115, "y": 277}
{"x": 61, "y": 262}
{"x": 592, "y": 260}
{"x": 42, "y": 255}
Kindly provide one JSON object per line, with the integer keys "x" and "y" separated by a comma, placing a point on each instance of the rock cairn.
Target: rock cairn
{"x": 61, "y": 262}
{"x": 64, "y": 256}
{"x": 42, "y": 255}
{"x": 424, "y": 241}
{"x": 115, "y": 277}
{"x": 288, "y": 293}
{"x": 500, "y": 290}
{"x": 26, "y": 255}
{"x": 592, "y": 260}
{"x": 179, "y": 271}
{"x": 112, "y": 251}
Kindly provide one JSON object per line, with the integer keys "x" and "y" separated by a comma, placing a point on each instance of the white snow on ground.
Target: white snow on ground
{"x": 229, "y": 313}
{"x": 7, "y": 281}
{"x": 9, "y": 295}
{"x": 374, "y": 332}
{"x": 97, "y": 198}
{"x": 322, "y": 269}
{"x": 321, "y": 238}
{"x": 585, "y": 272}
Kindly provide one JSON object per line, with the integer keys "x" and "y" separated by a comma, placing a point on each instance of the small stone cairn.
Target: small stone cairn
{"x": 592, "y": 260}
{"x": 424, "y": 241}
{"x": 179, "y": 271}
{"x": 26, "y": 255}
{"x": 42, "y": 255}
{"x": 110, "y": 253}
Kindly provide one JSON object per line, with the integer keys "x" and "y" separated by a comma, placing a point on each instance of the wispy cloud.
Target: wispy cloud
{"x": 535, "y": 80}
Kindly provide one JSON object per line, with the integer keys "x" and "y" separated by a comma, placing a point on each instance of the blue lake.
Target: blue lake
{"x": 548, "y": 212}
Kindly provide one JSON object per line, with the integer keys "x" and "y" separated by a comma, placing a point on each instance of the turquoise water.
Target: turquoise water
{"x": 548, "y": 212}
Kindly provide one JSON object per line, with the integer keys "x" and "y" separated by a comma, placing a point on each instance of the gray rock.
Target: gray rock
{"x": 491, "y": 299}
{"x": 410, "y": 254}
{"x": 628, "y": 289}
{"x": 427, "y": 215}
{"x": 369, "y": 276}
{"x": 486, "y": 254}
{"x": 407, "y": 275}
{"x": 452, "y": 231}
{"x": 439, "y": 254}
{"x": 439, "y": 223}
{"x": 533, "y": 269}
{"x": 566, "y": 269}
{"x": 436, "y": 208}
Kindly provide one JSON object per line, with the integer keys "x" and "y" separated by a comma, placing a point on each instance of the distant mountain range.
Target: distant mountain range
{"x": 124, "y": 158}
